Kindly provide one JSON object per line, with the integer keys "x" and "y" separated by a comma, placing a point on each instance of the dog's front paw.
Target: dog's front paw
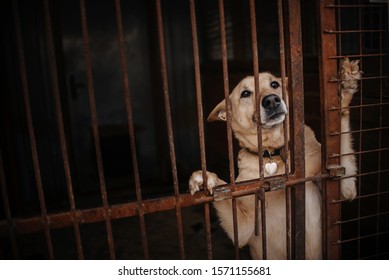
{"x": 196, "y": 181}
{"x": 350, "y": 75}
{"x": 348, "y": 188}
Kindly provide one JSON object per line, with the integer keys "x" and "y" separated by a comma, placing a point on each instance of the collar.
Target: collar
{"x": 266, "y": 153}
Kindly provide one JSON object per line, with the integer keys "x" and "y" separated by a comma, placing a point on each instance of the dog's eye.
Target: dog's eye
{"x": 245, "y": 94}
{"x": 274, "y": 84}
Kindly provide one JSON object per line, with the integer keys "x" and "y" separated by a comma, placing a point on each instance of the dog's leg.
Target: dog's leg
{"x": 350, "y": 75}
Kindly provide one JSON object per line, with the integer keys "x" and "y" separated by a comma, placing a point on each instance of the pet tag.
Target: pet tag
{"x": 271, "y": 168}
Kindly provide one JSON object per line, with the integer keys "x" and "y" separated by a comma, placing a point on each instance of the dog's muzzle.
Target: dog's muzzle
{"x": 274, "y": 109}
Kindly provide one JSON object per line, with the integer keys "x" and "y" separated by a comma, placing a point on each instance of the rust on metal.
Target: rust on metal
{"x": 95, "y": 128}
{"x": 169, "y": 125}
{"x": 330, "y": 145}
{"x": 34, "y": 152}
{"x": 128, "y": 103}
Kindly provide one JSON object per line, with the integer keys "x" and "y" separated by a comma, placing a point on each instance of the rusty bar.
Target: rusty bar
{"x": 236, "y": 228}
{"x": 295, "y": 72}
{"x": 286, "y": 123}
{"x": 7, "y": 210}
{"x": 93, "y": 215}
{"x": 380, "y": 135}
{"x": 34, "y": 152}
{"x": 55, "y": 84}
{"x": 169, "y": 125}
{"x": 330, "y": 121}
{"x": 254, "y": 44}
{"x": 356, "y": 6}
{"x": 128, "y": 103}
{"x": 95, "y": 128}
{"x": 359, "y": 55}
{"x": 360, "y": 127}
{"x": 262, "y": 197}
{"x": 200, "y": 120}
{"x": 226, "y": 90}
{"x": 330, "y": 31}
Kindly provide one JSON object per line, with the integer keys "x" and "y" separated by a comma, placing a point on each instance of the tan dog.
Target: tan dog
{"x": 244, "y": 125}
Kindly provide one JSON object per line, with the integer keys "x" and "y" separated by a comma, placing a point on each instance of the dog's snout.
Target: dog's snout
{"x": 271, "y": 102}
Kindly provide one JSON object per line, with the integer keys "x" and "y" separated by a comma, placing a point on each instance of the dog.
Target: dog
{"x": 272, "y": 115}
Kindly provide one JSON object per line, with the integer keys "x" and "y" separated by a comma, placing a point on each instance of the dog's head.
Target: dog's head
{"x": 243, "y": 102}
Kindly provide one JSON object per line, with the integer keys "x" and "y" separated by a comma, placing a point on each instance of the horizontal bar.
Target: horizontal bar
{"x": 328, "y": 31}
{"x": 358, "y": 55}
{"x": 360, "y": 218}
{"x": 360, "y": 131}
{"x": 362, "y": 196}
{"x": 359, "y": 106}
{"x": 359, "y": 153}
{"x": 359, "y": 238}
{"x": 356, "y": 6}
{"x": 94, "y": 215}
{"x": 337, "y": 80}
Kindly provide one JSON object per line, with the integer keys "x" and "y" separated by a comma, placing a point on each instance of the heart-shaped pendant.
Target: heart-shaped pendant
{"x": 271, "y": 168}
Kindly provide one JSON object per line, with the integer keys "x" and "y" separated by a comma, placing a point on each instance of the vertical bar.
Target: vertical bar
{"x": 262, "y": 198}
{"x": 200, "y": 119}
{"x": 286, "y": 125}
{"x": 128, "y": 103}
{"x": 31, "y": 133}
{"x": 360, "y": 125}
{"x": 95, "y": 128}
{"x": 295, "y": 80}
{"x": 7, "y": 210}
{"x": 330, "y": 120}
{"x": 226, "y": 90}
{"x": 229, "y": 129}
{"x": 254, "y": 43}
{"x": 380, "y": 132}
{"x": 53, "y": 70}
{"x": 236, "y": 230}
{"x": 169, "y": 124}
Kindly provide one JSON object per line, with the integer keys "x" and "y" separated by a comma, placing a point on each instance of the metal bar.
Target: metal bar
{"x": 95, "y": 128}
{"x": 356, "y": 6}
{"x": 128, "y": 103}
{"x": 286, "y": 125}
{"x": 359, "y": 55}
{"x": 55, "y": 84}
{"x": 360, "y": 127}
{"x": 7, "y": 210}
{"x": 254, "y": 44}
{"x": 360, "y": 238}
{"x": 362, "y": 130}
{"x": 363, "y": 217}
{"x": 226, "y": 90}
{"x": 262, "y": 197}
{"x": 229, "y": 118}
{"x": 295, "y": 80}
{"x": 65, "y": 219}
{"x": 330, "y": 31}
{"x": 330, "y": 120}
{"x": 359, "y": 153}
{"x": 34, "y": 152}
{"x": 169, "y": 125}
{"x": 236, "y": 228}
{"x": 200, "y": 117}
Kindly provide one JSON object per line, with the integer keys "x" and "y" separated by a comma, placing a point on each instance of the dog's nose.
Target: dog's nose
{"x": 271, "y": 102}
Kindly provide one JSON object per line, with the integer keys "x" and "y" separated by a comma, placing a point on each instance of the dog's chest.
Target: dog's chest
{"x": 249, "y": 168}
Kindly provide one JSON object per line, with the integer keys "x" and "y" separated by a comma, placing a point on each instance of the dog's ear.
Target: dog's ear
{"x": 218, "y": 113}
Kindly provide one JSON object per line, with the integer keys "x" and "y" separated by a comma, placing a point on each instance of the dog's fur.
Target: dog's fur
{"x": 244, "y": 125}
